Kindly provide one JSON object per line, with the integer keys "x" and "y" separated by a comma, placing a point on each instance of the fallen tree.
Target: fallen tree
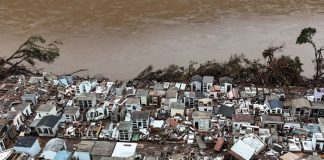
{"x": 33, "y": 50}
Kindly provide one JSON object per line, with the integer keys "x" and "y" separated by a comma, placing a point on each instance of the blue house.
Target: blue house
{"x": 275, "y": 106}
{"x": 28, "y": 145}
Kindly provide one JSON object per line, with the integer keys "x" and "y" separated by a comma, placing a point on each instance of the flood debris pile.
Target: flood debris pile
{"x": 65, "y": 117}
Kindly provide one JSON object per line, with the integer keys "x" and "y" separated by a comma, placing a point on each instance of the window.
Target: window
{"x": 45, "y": 131}
{"x": 40, "y": 130}
{"x": 50, "y": 130}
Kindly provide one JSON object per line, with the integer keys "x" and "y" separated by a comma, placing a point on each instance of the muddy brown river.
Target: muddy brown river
{"x": 119, "y": 38}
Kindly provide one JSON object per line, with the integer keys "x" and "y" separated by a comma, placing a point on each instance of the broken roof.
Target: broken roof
{"x": 201, "y": 115}
{"x": 48, "y": 121}
{"x": 25, "y": 141}
{"x": 243, "y": 118}
{"x": 125, "y": 125}
{"x": 140, "y": 115}
{"x": 54, "y": 144}
{"x": 300, "y": 103}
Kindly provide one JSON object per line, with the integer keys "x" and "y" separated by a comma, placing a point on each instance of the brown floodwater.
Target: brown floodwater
{"x": 119, "y": 38}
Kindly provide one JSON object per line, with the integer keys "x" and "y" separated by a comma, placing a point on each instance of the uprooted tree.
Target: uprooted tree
{"x": 306, "y": 36}
{"x": 34, "y": 50}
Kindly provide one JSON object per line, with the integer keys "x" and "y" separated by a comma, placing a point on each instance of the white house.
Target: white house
{"x": 17, "y": 118}
{"x": 125, "y": 130}
{"x": 196, "y": 83}
{"x": 208, "y": 82}
{"x": 25, "y": 108}
{"x": 177, "y": 108}
{"x": 240, "y": 120}
{"x": 318, "y": 94}
{"x": 46, "y": 109}
{"x": 133, "y": 104}
{"x": 52, "y": 147}
{"x": 99, "y": 112}
{"x": 87, "y": 100}
{"x": 30, "y": 97}
{"x": 170, "y": 96}
{"x": 140, "y": 119}
{"x": 85, "y": 87}
{"x": 28, "y": 145}
{"x": 202, "y": 120}
{"x": 205, "y": 104}
{"x": 71, "y": 114}
{"x": 48, "y": 126}
{"x": 143, "y": 95}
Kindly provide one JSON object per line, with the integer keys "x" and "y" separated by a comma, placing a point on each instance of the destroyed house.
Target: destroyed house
{"x": 125, "y": 130}
{"x": 28, "y": 145}
{"x": 202, "y": 120}
{"x": 48, "y": 126}
{"x": 140, "y": 119}
{"x": 87, "y": 100}
{"x": 7, "y": 133}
